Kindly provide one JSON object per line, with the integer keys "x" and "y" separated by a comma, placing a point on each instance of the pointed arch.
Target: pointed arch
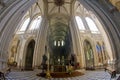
{"x": 89, "y": 55}
{"x": 29, "y": 55}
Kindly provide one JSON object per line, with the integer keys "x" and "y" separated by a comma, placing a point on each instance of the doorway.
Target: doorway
{"x": 29, "y": 55}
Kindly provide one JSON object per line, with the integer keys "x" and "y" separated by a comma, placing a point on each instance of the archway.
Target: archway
{"x": 89, "y": 57}
{"x": 29, "y": 55}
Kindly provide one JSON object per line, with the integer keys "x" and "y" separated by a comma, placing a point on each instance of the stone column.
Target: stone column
{"x": 75, "y": 40}
{"x": 41, "y": 42}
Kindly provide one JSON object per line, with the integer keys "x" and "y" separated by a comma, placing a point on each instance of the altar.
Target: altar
{"x": 58, "y": 68}
{"x": 58, "y": 64}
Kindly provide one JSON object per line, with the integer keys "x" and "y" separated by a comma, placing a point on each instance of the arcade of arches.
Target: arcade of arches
{"x": 88, "y": 30}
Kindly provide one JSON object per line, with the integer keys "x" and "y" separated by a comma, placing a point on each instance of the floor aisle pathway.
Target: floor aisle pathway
{"x": 31, "y": 75}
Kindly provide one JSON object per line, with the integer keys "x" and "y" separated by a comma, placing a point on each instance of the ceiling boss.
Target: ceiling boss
{"x": 59, "y": 2}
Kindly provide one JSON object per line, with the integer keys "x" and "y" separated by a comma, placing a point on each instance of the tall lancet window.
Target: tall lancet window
{"x": 24, "y": 25}
{"x": 36, "y": 23}
{"x": 58, "y": 43}
{"x": 55, "y": 43}
{"x": 92, "y": 25}
{"x": 62, "y": 43}
{"x": 80, "y": 23}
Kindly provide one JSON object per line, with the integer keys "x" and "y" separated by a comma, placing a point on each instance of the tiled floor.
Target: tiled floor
{"x": 31, "y": 75}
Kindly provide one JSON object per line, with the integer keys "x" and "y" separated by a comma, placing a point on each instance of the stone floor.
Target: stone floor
{"x": 31, "y": 75}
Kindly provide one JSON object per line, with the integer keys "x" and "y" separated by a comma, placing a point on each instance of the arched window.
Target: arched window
{"x": 92, "y": 25}
{"x": 62, "y": 43}
{"x": 55, "y": 43}
{"x": 36, "y": 23}
{"x": 25, "y": 24}
{"x": 58, "y": 43}
{"x": 80, "y": 23}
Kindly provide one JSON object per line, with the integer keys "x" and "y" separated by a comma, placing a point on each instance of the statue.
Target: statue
{"x": 73, "y": 59}
{"x": 43, "y": 64}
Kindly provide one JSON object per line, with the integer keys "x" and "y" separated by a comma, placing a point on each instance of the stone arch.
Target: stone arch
{"x": 29, "y": 55}
{"x": 89, "y": 54}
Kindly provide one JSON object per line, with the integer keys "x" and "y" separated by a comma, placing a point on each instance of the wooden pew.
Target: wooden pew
{"x": 111, "y": 71}
{"x": 3, "y": 72}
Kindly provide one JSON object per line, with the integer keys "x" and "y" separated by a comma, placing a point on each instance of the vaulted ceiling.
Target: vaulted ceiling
{"x": 58, "y": 31}
{"x": 58, "y": 13}
{"x": 59, "y": 6}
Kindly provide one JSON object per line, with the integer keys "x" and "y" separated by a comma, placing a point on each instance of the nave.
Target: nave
{"x": 59, "y": 36}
